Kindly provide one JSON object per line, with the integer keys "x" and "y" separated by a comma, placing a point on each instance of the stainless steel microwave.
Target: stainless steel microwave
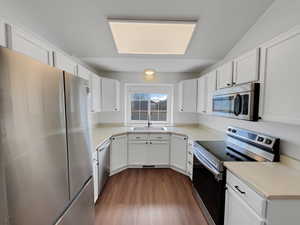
{"x": 239, "y": 102}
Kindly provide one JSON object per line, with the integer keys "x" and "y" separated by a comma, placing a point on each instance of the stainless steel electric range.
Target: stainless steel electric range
{"x": 209, "y": 174}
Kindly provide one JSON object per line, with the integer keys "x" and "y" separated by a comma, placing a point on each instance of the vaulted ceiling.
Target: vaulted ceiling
{"x": 80, "y": 28}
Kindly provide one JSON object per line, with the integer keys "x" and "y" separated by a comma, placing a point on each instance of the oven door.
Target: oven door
{"x": 210, "y": 187}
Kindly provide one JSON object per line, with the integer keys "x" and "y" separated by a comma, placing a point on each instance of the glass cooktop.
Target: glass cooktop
{"x": 221, "y": 151}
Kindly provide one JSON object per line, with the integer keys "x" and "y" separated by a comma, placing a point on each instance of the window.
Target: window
{"x": 153, "y": 102}
{"x": 144, "y": 105}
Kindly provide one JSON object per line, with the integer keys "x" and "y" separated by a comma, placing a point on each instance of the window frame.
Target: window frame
{"x": 151, "y": 89}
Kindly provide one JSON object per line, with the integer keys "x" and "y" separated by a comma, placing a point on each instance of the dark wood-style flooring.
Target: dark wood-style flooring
{"x": 148, "y": 197}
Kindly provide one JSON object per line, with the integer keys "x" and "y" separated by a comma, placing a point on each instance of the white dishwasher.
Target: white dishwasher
{"x": 103, "y": 165}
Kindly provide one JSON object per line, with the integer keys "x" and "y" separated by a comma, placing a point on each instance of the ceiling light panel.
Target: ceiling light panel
{"x": 149, "y": 37}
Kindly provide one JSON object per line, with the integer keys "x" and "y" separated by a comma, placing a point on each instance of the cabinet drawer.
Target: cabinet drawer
{"x": 254, "y": 200}
{"x": 158, "y": 137}
{"x": 138, "y": 137}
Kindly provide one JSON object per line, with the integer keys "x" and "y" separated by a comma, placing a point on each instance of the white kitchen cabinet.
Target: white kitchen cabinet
{"x": 149, "y": 149}
{"x": 280, "y": 78}
{"x": 118, "y": 153}
{"x": 2, "y": 34}
{"x": 64, "y": 62}
{"x": 137, "y": 153}
{"x": 158, "y": 153}
{"x": 27, "y": 44}
{"x": 83, "y": 72}
{"x": 243, "y": 205}
{"x": 211, "y": 82}
{"x": 246, "y": 67}
{"x": 95, "y": 175}
{"x": 188, "y": 95}
{"x": 110, "y": 90}
{"x": 224, "y": 75}
{"x": 202, "y": 94}
{"x": 95, "y": 87}
{"x": 179, "y": 152}
{"x": 237, "y": 211}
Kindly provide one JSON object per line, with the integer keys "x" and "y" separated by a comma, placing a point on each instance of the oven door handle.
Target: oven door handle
{"x": 209, "y": 167}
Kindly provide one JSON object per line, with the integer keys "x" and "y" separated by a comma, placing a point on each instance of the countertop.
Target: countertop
{"x": 101, "y": 133}
{"x": 271, "y": 180}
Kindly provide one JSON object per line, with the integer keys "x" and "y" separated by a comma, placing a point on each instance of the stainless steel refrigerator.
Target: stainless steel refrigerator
{"x": 45, "y": 160}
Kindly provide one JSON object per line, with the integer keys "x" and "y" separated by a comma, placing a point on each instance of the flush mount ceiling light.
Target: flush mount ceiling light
{"x": 151, "y": 37}
{"x": 149, "y": 74}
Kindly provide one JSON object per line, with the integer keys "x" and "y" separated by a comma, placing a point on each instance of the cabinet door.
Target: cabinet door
{"x": 246, "y": 67}
{"x": 137, "y": 152}
{"x": 280, "y": 71}
{"x": 158, "y": 153}
{"x": 188, "y": 95}
{"x": 95, "y": 85}
{"x": 110, "y": 95}
{"x": 202, "y": 94}
{"x": 211, "y": 88}
{"x": 83, "y": 72}
{"x": 237, "y": 211}
{"x": 179, "y": 152}
{"x": 25, "y": 43}
{"x": 118, "y": 154}
{"x": 224, "y": 75}
{"x": 2, "y": 34}
{"x": 65, "y": 63}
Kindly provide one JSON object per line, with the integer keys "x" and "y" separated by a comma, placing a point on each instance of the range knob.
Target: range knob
{"x": 268, "y": 141}
{"x": 260, "y": 139}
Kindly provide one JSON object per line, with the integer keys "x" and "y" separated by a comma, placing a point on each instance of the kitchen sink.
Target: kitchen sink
{"x": 149, "y": 128}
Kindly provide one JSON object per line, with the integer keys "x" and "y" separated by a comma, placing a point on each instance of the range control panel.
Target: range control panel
{"x": 254, "y": 137}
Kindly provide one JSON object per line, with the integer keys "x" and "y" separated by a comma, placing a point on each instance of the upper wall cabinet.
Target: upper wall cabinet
{"x": 202, "y": 94}
{"x": 188, "y": 95}
{"x": 63, "y": 62}
{"x": 95, "y": 86}
{"x": 25, "y": 43}
{"x": 211, "y": 86}
{"x": 246, "y": 67}
{"x": 280, "y": 76}
{"x": 83, "y": 72}
{"x": 110, "y": 90}
{"x": 2, "y": 34}
{"x": 224, "y": 75}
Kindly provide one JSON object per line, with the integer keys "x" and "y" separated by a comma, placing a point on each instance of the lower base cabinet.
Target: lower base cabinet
{"x": 244, "y": 206}
{"x": 238, "y": 212}
{"x": 118, "y": 153}
{"x": 179, "y": 152}
{"x": 148, "y": 153}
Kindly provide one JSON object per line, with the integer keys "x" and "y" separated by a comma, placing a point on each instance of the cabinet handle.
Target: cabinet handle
{"x": 185, "y": 138}
{"x": 146, "y": 142}
{"x": 190, "y": 153}
{"x": 113, "y": 138}
{"x": 189, "y": 163}
{"x": 150, "y": 143}
{"x": 228, "y": 84}
{"x": 137, "y": 137}
{"x": 242, "y": 192}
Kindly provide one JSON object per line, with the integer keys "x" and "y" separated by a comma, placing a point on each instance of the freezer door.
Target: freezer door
{"x": 79, "y": 154}
{"x": 81, "y": 211}
{"x": 33, "y": 140}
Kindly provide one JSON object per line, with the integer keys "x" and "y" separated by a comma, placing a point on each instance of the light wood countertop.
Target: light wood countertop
{"x": 101, "y": 133}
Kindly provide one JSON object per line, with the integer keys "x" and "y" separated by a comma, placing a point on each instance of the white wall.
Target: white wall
{"x": 280, "y": 17}
{"x": 167, "y": 78}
